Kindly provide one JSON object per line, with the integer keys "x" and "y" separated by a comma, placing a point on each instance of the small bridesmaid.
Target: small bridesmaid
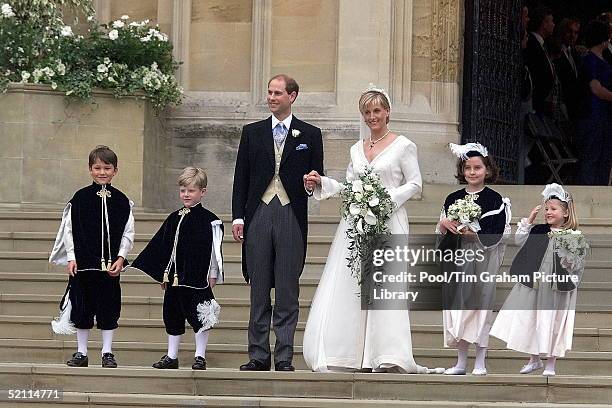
{"x": 467, "y": 315}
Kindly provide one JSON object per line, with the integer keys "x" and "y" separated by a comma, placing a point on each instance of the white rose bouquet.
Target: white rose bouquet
{"x": 571, "y": 246}
{"x": 466, "y": 212}
{"x": 366, "y": 207}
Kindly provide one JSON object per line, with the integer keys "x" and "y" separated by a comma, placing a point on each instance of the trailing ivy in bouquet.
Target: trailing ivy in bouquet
{"x": 571, "y": 246}
{"x": 366, "y": 207}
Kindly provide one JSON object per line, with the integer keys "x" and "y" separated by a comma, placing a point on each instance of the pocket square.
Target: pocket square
{"x": 302, "y": 146}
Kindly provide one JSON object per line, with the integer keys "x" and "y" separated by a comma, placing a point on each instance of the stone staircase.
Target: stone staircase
{"x": 32, "y": 357}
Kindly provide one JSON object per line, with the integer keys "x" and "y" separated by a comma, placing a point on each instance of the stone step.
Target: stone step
{"x": 145, "y": 223}
{"x": 142, "y": 296}
{"x": 31, "y": 304}
{"x": 94, "y": 399}
{"x": 235, "y": 332}
{"x": 223, "y": 382}
{"x": 230, "y": 356}
{"x": 318, "y": 225}
{"x": 317, "y": 245}
{"x": 18, "y": 262}
{"x": 132, "y": 307}
{"x": 54, "y": 283}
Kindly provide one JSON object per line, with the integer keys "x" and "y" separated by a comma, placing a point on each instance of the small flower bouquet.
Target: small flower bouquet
{"x": 571, "y": 246}
{"x": 466, "y": 212}
{"x": 366, "y": 206}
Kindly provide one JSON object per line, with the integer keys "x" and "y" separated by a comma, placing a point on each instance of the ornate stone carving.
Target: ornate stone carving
{"x": 444, "y": 40}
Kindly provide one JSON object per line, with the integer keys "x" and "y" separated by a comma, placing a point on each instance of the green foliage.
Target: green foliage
{"x": 122, "y": 56}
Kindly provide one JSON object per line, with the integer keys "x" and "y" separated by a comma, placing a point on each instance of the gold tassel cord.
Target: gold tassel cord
{"x": 166, "y": 279}
{"x": 175, "y": 283}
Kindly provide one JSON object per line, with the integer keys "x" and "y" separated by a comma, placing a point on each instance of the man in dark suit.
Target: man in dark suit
{"x": 270, "y": 212}
{"x": 607, "y": 52}
{"x": 539, "y": 63}
{"x": 567, "y": 65}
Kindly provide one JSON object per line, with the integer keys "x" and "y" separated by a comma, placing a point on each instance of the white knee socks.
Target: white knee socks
{"x": 82, "y": 337}
{"x": 462, "y": 354}
{"x": 550, "y": 364}
{"x": 201, "y": 341}
{"x": 173, "y": 345}
{"x": 481, "y": 354}
{"x": 107, "y": 341}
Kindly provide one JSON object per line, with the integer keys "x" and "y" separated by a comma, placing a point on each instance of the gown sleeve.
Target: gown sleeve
{"x": 522, "y": 232}
{"x": 412, "y": 177}
{"x": 330, "y": 187}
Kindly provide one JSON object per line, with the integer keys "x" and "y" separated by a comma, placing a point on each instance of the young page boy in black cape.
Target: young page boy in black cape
{"x": 185, "y": 257}
{"x": 95, "y": 237}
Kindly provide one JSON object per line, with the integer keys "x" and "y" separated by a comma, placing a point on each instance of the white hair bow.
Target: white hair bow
{"x": 461, "y": 151}
{"x": 555, "y": 190}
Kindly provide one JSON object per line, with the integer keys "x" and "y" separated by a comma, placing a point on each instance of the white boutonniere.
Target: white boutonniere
{"x": 295, "y": 133}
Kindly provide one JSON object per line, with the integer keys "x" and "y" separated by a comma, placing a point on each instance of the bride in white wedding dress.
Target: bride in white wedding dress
{"x": 340, "y": 335}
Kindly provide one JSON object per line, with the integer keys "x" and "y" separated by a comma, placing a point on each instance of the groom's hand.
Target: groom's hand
{"x": 312, "y": 179}
{"x": 238, "y": 232}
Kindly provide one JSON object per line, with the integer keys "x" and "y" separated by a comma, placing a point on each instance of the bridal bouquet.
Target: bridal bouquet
{"x": 366, "y": 207}
{"x": 466, "y": 212}
{"x": 571, "y": 246}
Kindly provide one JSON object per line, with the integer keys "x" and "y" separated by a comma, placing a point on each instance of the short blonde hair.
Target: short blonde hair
{"x": 571, "y": 221}
{"x": 372, "y": 98}
{"x": 193, "y": 175}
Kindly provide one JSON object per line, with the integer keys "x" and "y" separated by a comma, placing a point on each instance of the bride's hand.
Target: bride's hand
{"x": 448, "y": 225}
{"x": 311, "y": 180}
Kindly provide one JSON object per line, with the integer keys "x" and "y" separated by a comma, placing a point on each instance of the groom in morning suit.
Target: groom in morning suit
{"x": 270, "y": 213}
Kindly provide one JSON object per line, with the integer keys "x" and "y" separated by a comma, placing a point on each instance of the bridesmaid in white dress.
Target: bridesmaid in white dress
{"x": 339, "y": 335}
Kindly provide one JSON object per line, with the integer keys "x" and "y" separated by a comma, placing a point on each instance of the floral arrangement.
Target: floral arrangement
{"x": 366, "y": 206}
{"x": 123, "y": 56}
{"x": 571, "y": 246}
{"x": 466, "y": 212}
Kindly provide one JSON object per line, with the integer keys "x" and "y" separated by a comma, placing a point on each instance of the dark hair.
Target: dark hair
{"x": 537, "y": 17}
{"x": 104, "y": 154}
{"x": 488, "y": 162}
{"x": 595, "y": 33}
{"x": 290, "y": 84}
{"x": 565, "y": 24}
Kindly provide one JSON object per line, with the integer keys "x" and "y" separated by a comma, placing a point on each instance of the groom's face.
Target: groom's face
{"x": 279, "y": 101}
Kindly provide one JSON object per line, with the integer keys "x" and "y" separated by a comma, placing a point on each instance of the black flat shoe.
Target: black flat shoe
{"x": 283, "y": 366}
{"x": 255, "y": 365}
{"x": 167, "y": 363}
{"x": 199, "y": 363}
{"x": 78, "y": 360}
{"x": 108, "y": 360}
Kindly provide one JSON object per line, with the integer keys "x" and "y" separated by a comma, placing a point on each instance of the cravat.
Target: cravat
{"x": 279, "y": 133}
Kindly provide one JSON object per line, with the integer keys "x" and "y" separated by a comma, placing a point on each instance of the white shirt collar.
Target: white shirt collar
{"x": 538, "y": 37}
{"x": 286, "y": 122}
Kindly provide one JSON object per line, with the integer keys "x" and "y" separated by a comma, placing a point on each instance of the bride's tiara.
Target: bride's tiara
{"x": 374, "y": 88}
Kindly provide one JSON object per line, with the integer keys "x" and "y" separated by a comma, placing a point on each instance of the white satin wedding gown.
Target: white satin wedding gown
{"x": 339, "y": 335}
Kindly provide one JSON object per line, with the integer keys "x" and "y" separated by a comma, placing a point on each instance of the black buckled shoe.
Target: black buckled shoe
{"x": 284, "y": 366}
{"x": 255, "y": 365}
{"x": 108, "y": 360}
{"x": 199, "y": 363}
{"x": 166, "y": 362}
{"x": 78, "y": 360}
